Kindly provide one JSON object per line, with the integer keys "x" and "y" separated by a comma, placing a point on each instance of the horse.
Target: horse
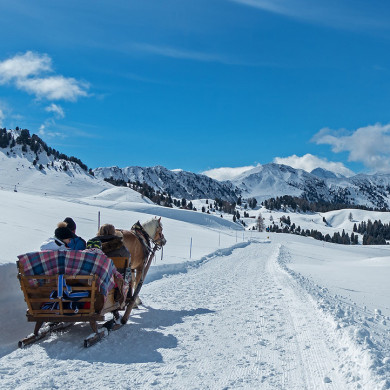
{"x": 138, "y": 252}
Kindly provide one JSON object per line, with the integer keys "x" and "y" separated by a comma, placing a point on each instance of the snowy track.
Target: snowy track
{"x": 234, "y": 321}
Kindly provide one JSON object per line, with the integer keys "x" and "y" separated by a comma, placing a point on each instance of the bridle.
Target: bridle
{"x": 159, "y": 239}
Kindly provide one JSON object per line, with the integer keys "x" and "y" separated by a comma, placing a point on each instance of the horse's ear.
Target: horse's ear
{"x": 159, "y": 220}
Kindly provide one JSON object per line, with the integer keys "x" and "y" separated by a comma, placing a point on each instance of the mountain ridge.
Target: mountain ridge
{"x": 261, "y": 182}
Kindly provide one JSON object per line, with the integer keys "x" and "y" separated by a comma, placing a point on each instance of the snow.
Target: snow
{"x": 245, "y": 310}
{"x": 17, "y": 171}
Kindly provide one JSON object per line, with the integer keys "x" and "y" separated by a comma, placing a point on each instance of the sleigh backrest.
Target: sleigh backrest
{"x": 121, "y": 264}
{"x": 38, "y": 288}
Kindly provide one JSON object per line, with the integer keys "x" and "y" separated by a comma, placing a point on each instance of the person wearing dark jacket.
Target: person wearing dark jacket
{"x": 76, "y": 243}
{"x": 112, "y": 241}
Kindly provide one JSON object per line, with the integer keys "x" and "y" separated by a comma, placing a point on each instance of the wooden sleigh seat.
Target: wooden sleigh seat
{"x": 96, "y": 305}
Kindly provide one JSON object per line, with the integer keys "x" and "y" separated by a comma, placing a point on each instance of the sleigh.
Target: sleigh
{"x": 56, "y": 300}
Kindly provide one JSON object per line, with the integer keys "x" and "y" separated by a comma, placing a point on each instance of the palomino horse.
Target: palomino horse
{"x": 153, "y": 228}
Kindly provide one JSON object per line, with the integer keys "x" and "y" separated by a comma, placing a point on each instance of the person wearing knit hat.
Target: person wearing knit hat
{"x": 76, "y": 243}
{"x": 60, "y": 241}
{"x": 63, "y": 233}
{"x": 70, "y": 224}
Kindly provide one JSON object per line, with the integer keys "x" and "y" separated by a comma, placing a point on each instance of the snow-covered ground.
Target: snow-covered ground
{"x": 238, "y": 309}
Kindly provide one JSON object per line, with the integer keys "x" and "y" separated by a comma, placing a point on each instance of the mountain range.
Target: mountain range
{"x": 29, "y": 160}
{"x": 263, "y": 182}
{"x": 178, "y": 183}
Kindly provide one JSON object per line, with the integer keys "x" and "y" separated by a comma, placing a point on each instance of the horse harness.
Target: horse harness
{"x": 138, "y": 230}
{"x": 143, "y": 237}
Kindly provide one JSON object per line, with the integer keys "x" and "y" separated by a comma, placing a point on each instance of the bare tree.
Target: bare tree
{"x": 260, "y": 223}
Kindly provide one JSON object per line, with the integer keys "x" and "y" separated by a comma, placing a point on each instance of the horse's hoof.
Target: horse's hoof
{"x": 137, "y": 302}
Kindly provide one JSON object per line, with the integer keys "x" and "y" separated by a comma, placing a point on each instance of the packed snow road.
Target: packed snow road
{"x": 234, "y": 321}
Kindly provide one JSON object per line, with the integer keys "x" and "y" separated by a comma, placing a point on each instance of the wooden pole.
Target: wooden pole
{"x": 131, "y": 304}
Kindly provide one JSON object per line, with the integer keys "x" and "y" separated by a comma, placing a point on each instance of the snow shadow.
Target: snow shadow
{"x": 137, "y": 342}
{"x": 158, "y": 318}
{"x": 13, "y": 322}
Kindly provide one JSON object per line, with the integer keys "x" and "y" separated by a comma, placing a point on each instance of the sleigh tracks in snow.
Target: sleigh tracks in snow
{"x": 62, "y": 318}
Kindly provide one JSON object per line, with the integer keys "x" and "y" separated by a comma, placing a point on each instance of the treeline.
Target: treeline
{"x": 36, "y": 145}
{"x": 165, "y": 198}
{"x": 374, "y": 233}
{"x": 303, "y": 205}
{"x": 337, "y": 238}
{"x": 156, "y": 196}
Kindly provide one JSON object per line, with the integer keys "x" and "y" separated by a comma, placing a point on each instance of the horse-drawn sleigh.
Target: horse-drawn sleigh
{"x": 65, "y": 287}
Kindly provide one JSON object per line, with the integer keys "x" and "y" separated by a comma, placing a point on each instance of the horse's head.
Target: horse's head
{"x": 159, "y": 238}
{"x": 154, "y": 229}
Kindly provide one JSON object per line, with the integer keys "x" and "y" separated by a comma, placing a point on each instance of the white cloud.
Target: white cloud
{"x": 183, "y": 54}
{"x": 27, "y": 72}
{"x": 369, "y": 145}
{"x": 168, "y": 51}
{"x": 57, "y": 110}
{"x": 226, "y": 173}
{"x": 53, "y": 88}
{"x": 308, "y": 162}
{"x": 25, "y": 65}
{"x": 334, "y": 13}
{"x": 43, "y": 130}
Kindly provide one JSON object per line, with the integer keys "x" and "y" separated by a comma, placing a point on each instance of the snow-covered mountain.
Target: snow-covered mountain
{"x": 262, "y": 182}
{"x": 28, "y": 165}
{"x": 271, "y": 180}
{"x": 178, "y": 183}
{"x": 27, "y": 162}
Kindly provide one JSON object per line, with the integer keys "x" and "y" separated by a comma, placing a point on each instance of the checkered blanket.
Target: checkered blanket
{"x": 72, "y": 263}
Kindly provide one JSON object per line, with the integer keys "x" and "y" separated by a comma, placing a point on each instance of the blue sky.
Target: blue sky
{"x": 201, "y": 84}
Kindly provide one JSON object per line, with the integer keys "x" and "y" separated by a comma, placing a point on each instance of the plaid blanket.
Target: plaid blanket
{"x": 72, "y": 263}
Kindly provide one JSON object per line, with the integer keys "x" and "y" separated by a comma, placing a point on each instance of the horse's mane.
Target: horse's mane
{"x": 150, "y": 226}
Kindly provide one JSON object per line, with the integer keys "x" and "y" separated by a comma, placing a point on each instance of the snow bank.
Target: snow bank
{"x": 363, "y": 334}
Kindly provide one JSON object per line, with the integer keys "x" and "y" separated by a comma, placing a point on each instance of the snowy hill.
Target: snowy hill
{"x": 29, "y": 168}
{"x": 178, "y": 183}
